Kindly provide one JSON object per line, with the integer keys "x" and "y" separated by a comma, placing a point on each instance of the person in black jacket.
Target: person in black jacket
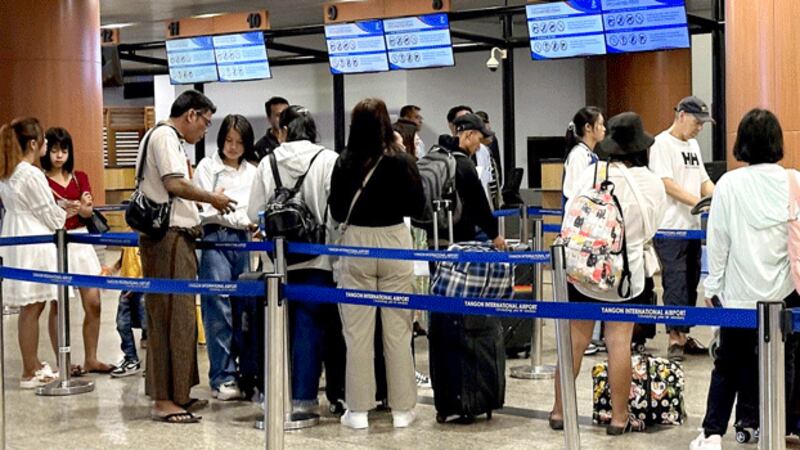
{"x": 476, "y": 214}
{"x": 374, "y": 185}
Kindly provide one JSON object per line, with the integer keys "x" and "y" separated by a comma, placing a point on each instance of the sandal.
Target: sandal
{"x": 39, "y": 378}
{"x": 555, "y": 424}
{"x": 633, "y": 424}
{"x": 179, "y": 417}
{"x": 194, "y": 405}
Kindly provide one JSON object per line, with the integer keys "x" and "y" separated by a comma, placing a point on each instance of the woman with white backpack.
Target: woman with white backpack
{"x": 749, "y": 260}
{"x": 627, "y": 189}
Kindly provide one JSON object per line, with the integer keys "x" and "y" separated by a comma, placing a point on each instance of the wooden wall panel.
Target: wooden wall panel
{"x": 750, "y": 61}
{"x": 787, "y": 64}
{"x": 650, "y": 84}
{"x": 50, "y": 69}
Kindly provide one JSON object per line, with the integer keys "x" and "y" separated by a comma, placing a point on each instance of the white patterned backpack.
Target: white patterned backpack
{"x": 593, "y": 235}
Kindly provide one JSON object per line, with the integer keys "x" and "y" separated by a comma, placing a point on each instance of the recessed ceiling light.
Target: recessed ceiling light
{"x": 117, "y": 25}
{"x": 206, "y": 16}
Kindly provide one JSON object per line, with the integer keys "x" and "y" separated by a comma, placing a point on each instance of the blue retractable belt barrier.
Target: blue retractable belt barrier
{"x": 531, "y": 212}
{"x": 27, "y": 240}
{"x": 147, "y": 285}
{"x": 734, "y": 318}
{"x": 420, "y": 255}
{"x": 132, "y": 240}
{"x": 681, "y": 235}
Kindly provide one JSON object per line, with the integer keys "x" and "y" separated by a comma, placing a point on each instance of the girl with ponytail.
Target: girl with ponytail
{"x": 583, "y": 133}
{"x": 30, "y": 210}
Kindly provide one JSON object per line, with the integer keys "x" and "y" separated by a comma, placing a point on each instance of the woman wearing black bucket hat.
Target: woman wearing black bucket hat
{"x": 624, "y": 157}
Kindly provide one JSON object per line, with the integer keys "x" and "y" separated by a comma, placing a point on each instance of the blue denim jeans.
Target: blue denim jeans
{"x": 316, "y": 338}
{"x": 222, "y": 339}
{"x": 131, "y": 314}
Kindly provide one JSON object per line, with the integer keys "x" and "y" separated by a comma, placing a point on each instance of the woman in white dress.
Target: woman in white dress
{"x": 73, "y": 193}
{"x": 30, "y": 210}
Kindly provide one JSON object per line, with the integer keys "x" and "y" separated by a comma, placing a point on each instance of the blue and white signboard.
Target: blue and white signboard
{"x": 191, "y": 60}
{"x": 566, "y": 29}
{"x": 356, "y": 47}
{"x": 241, "y": 56}
{"x": 417, "y": 42}
{"x": 645, "y": 25}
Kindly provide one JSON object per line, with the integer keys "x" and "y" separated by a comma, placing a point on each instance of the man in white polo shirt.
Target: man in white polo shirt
{"x": 676, "y": 159}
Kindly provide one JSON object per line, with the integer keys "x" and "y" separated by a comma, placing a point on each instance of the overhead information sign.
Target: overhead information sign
{"x": 241, "y": 56}
{"x": 357, "y": 47}
{"x": 417, "y": 42}
{"x": 191, "y": 60}
{"x": 645, "y": 25}
{"x": 566, "y": 29}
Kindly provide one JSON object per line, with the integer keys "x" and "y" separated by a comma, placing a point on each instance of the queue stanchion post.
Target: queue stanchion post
{"x": 292, "y": 420}
{"x": 524, "y": 226}
{"x": 65, "y": 385}
{"x": 536, "y": 370}
{"x": 772, "y": 376}
{"x": 569, "y": 403}
{"x": 274, "y": 360}
{"x": 2, "y": 370}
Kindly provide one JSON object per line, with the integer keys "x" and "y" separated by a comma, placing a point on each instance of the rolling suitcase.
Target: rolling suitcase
{"x": 517, "y": 336}
{"x": 644, "y": 331}
{"x": 466, "y": 352}
{"x": 467, "y": 364}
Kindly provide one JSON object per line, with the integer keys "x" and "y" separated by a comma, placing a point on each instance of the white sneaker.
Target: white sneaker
{"x": 402, "y": 419}
{"x": 227, "y": 391}
{"x": 423, "y": 381}
{"x": 713, "y": 442}
{"x": 354, "y": 420}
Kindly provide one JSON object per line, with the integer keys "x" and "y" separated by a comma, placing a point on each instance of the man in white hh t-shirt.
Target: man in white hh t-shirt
{"x": 676, "y": 159}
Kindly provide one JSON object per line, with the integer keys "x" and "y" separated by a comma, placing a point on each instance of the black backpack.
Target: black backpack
{"x": 437, "y": 169}
{"x": 288, "y": 216}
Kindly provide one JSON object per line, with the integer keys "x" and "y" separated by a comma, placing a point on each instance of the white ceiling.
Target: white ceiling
{"x": 149, "y": 16}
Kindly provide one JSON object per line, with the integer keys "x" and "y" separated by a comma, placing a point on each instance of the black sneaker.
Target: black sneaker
{"x": 127, "y": 368}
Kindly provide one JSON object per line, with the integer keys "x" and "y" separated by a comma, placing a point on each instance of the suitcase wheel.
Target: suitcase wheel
{"x": 742, "y": 436}
{"x": 639, "y": 348}
{"x": 488, "y": 415}
{"x": 440, "y": 418}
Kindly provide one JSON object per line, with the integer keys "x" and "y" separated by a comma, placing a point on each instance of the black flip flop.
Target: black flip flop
{"x": 179, "y": 417}
{"x": 194, "y": 405}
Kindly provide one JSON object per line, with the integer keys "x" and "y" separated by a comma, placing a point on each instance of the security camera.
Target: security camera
{"x": 493, "y": 63}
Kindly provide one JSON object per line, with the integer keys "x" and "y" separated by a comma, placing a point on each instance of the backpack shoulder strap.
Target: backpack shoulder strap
{"x": 273, "y": 163}
{"x": 302, "y": 177}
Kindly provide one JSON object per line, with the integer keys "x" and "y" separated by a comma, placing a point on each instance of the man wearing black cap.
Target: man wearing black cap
{"x": 676, "y": 159}
{"x": 469, "y": 132}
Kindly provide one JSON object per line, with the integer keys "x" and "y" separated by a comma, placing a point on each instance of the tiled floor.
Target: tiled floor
{"x": 116, "y": 414}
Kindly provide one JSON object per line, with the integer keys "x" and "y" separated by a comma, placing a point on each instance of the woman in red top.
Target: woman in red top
{"x": 72, "y": 192}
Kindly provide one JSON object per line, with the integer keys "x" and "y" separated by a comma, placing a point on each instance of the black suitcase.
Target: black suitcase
{"x": 517, "y": 336}
{"x": 467, "y": 365}
{"x": 644, "y": 331}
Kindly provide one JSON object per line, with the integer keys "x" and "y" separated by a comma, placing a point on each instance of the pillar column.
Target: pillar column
{"x": 650, "y": 84}
{"x": 762, "y": 66}
{"x": 50, "y": 68}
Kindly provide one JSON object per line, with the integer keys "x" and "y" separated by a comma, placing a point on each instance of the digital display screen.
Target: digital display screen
{"x": 191, "y": 60}
{"x": 241, "y": 56}
{"x": 645, "y": 25}
{"x": 357, "y": 47}
{"x": 417, "y": 42}
{"x": 566, "y": 29}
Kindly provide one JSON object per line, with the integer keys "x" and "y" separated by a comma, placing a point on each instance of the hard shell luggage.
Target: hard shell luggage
{"x": 517, "y": 336}
{"x": 467, "y": 352}
{"x": 467, "y": 366}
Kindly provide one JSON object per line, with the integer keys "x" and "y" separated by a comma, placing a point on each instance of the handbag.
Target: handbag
{"x": 97, "y": 222}
{"x": 142, "y": 214}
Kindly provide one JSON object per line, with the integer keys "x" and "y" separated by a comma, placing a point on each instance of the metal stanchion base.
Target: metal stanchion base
{"x": 296, "y": 421}
{"x": 534, "y": 372}
{"x": 62, "y": 388}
